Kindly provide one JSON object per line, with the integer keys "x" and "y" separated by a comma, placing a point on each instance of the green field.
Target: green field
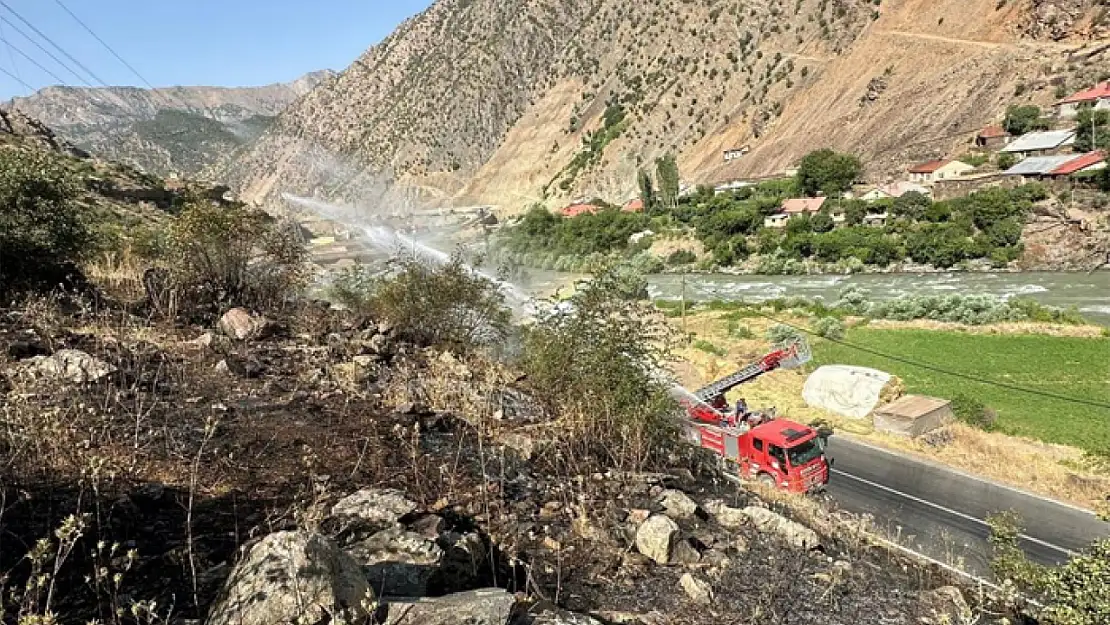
{"x": 1071, "y": 367}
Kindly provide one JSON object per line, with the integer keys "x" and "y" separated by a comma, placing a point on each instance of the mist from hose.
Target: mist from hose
{"x": 392, "y": 242}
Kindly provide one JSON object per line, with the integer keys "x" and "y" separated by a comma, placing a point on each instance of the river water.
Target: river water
{"x": 1087, "y": 293}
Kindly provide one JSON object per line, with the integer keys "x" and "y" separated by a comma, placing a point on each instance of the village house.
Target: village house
{"x": 930, "y": 172}
{"x": 803, "y": 206}
{"x": 725, "y": 187}
{"x": 635, "y": 205}
{"x": 893, "y": 190}
{"x": 876, "y": 220}
{"x": 574, "y": 210}
{"x": 778, "y": 220}
{"x": 1057, "y": 166}
{"x": 1046, "y": 143}
{"x": 992, "y": 138}
{"x": 1097, "y": 96}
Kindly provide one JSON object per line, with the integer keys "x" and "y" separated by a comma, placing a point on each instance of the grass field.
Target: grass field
{"x": 1071, "y": 367}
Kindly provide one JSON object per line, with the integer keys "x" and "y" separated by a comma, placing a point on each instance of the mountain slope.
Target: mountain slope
{"x": 484, "y": 101}
{"x": 180, "y": 130}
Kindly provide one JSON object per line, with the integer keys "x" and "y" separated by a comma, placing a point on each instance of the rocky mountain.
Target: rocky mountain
{"x": 176, "y": 130}
{"x": 485, "y": 101}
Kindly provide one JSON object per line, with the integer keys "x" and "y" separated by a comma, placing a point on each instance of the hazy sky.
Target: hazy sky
{"x": 193, "y": 42}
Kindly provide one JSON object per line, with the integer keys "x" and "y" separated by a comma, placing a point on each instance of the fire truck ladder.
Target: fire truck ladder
{"x": 789, "y": 355}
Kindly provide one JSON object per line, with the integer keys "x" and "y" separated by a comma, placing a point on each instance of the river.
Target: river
{"x": 1087, "y": 293}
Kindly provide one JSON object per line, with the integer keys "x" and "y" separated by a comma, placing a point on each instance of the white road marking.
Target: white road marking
{"x": 950, "y": 511}
{"x": 942, "y": 467}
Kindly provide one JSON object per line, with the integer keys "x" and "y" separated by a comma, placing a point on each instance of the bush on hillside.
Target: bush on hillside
{"x": 42, "y": 231}
{"x": 219, "y": 257}
{"x": 782, "y": 333}
{"x": 595, "y": 370}
{"x": 447, "y": 305}
{"x": 828, "y": 172}
{"x": 829, "y": 328}
{"x": 681, "y": 257}
{"x": 973, "y": 412}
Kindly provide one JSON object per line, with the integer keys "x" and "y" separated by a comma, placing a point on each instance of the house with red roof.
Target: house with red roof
{"x": 1091, "y": 161}
{"x": 992, "y": 138}
{"x": 931, "y": 171}
{"x": 635, "y": 205}
{"x": 1097, "y": 97}
{"x": 574, "y": 210}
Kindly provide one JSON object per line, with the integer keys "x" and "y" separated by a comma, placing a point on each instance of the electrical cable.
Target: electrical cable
{"x": 31, "y": 60}
{"x": 48, "y": 53}
{"x": 16, "y": 78}
{"x": 51, "y": 42}
{"x": 927, "y": 366}
{"x": 103, "y": 43}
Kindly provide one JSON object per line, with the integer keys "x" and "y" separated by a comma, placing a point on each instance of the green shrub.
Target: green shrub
{"x": 737, "y": 330}
{"x": 681, "y": 257}
{"x": 973, "y": 412}
{"x": 709, "y": 348}
{"x": 445, "y": 305}
{"x": 224, "y": 256}
{"x": 42, "y": 232}
{"x": 829, "y": 328}
{"x": 593, "y": 370}
{"x": 781, "y": 333}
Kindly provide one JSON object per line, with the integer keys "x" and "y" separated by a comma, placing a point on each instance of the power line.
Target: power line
{"x": 11, "y": 57}
{"x": 104, "y": 43}
{"x": 16, "y": 78}
{"x": 48, "y": 53}
{"x": 932, "y": 367}
{"x": 29, "y": 59}
{"x": 52, "y": 43}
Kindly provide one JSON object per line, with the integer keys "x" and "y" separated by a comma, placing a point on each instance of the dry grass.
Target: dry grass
{"x": 1015, "y": 327}
{"x": 1057, "y": 471}
{"x": 118, "y": 273}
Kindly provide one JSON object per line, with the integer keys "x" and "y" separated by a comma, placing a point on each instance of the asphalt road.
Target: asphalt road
{"x": 941, "y": 513}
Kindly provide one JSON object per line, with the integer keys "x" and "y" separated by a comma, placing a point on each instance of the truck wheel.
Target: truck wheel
{"x": 767, "y": 480}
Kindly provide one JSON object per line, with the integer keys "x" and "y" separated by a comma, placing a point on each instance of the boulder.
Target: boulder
{"x": 490, "y": 606}
{"x": 792, "y": 532}
{"x": 946, "y": 605}
{"x": 374, "y": 508}
{"x": 656, "y": 538}
{"x": 240, "y": 325}
{"x": 465, "y": 557}
{"x": 397, "y": 562}
{"x": 726, "y": 516}
{"x": 678, "y": 504}
{"x": 698, "y": 590}
{"x": 71, "y": 365}
{"x": 293, "y": 577}
{"x": 684, "y": 552}
{"x": 555, "y": 616}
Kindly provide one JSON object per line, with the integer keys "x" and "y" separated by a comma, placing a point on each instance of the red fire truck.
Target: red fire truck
{"x": 759, "y": 446}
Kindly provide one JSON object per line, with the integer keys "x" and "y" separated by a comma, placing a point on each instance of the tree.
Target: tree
{"x": 41, "y": 230}
{"x": 828, "y": 172}
{"x": 822, "y": 222}
{"x": 911, "y": 205}
{"x": 667, "y": 176}
{"x": 1022, "y": 119}
{"x": 1092, "y": 130}
{"x": 647, "y": 191}
{"x": 1006, "y": 160}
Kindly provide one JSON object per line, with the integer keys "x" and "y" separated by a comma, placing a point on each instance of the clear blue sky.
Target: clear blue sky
{"x": 197, "y": 42}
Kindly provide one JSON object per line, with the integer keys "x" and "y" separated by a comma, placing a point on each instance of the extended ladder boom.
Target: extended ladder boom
{"x": 788, "y": 356}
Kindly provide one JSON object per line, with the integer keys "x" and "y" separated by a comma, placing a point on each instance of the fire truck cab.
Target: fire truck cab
{"x": 780, "y": 453}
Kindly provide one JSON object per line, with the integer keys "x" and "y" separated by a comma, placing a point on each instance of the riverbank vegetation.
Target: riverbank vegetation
{"x": 844, "y": 236}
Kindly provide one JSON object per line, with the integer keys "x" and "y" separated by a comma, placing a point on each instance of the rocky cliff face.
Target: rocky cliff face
{"x": 178, "y": 130}
{"x": 483, "y": 101}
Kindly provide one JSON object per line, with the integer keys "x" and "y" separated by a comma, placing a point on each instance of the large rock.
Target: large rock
{"x": 678, "y": 504}
{"x": 698, "y": 590}
{"x": 726, "y": 516}
{"x": 397, "y": 562}
{"x": 465, "y": 558}
{"x": 373, "y": 508}
{"x": 656, "y": 538}
{"x": 844, "y": 390}
{"x": 792, "y": 532}
{"x": 240, "y": 325}
{"x": 293, "y": 577}
{"x": 491, "y": 606}
{"x": 71, "y": 365}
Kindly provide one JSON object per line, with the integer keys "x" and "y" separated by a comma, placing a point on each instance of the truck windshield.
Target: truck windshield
{"x": 803, "y": 454}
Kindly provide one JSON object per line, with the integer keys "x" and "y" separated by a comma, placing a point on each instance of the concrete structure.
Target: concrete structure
{"x": 959, "y": 187}
{"x": 893, "y": 190}
{"x": 1097, "y": 97}
{"x": 877, "y": 220}
{"x": 778, "y": 220}
{"x": 1046, "y": 143}
{"x": 932, "y": 171}
{"x": 913, "y": 415}
{"x": 733, "y": 154}
{"x": 725, "y": 187}
{"x": 992, "y": 138}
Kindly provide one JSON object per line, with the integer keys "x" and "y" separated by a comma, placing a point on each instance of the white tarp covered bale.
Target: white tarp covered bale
{"x": 845, "y": 390}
